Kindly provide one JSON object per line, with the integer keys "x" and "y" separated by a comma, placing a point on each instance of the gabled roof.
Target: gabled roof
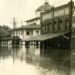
{"x": 44, "y": 7}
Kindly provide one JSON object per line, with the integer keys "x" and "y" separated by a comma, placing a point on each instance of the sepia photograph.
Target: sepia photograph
{"x": 37, "y": 37}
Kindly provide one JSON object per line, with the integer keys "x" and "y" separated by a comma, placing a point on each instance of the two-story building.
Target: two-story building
{"x": 57, "y": 27}
{"x": 33, "y": 27}
{"x": 26, "y": 31}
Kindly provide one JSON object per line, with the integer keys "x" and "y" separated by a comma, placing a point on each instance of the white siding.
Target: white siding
{"x": 35, "y": 32}
{"x": 23, "y": 35}
{"x": 35, "y": 21}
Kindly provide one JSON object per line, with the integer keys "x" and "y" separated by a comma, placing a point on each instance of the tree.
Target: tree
{"x": 4, "y": 31}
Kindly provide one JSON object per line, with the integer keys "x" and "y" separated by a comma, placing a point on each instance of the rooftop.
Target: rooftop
{"x": 36, "y": 18}
{"x": 30, "y": 26}
{"x": 10, "y": 38}
{"x": 43, "y": 37}
{"x": 44, "y": 7}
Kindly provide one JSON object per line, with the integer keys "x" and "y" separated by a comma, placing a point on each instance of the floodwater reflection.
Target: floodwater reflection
{"x": 22, "y": 61}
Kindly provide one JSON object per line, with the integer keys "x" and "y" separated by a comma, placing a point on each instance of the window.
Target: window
{"x": 37, "y": 32}
{"x": 16, "y": 32}
{"x": 60, "y": 26}
{"x": 67, "y": 26}
{"x": 43, "y": 29}
{"x": 27, "y": 32}
{"x": 53, "y": 27}
{"x": 22, "y": 32}
{"x": 46, "y": 28}
{"x": 56, "y": 27}
{"x": 19, "y": 32}
{"x": 50, "y": 27}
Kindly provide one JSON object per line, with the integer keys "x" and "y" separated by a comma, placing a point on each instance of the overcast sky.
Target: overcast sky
{"x": 22, "y": 9}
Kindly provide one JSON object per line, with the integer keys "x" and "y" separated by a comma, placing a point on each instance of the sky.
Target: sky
{"x": 22, "y": 10}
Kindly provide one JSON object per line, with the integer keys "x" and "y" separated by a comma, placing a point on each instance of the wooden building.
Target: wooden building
{"x": 33, "y": 27}
{"x": 26, "y": 31}
{"x": 10, "y": 41}
{"x": 57, "y": 27}
{"x": 59, "y": 21}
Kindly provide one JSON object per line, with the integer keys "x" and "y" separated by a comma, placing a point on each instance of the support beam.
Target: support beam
{"x": 65, "y": 37}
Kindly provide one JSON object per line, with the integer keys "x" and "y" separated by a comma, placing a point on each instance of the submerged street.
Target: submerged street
{"x": 22, "y": 61}
{"x": 40, "y": 44}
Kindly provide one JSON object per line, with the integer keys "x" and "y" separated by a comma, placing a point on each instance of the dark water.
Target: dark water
{"x": 33, "y": 61}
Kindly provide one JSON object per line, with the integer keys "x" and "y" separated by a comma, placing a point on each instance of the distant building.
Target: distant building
{"x": 27, "y": 31}
{"x": 33, "y": 27}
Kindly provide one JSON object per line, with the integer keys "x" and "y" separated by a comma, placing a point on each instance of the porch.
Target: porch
{"x": 52, "y": 40}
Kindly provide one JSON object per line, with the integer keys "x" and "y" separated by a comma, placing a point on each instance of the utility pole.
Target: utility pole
{"x": 70, "y": 32}
{"x": 70, "y": 23}
{"x": 14, "y": 23}
{"x": 53, "y": 19}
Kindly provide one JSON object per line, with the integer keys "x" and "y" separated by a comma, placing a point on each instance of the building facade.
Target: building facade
{"x": 59, "y": 20}
{"x": 57, "y": 27}
{"x": 26, "y": 31}
{"x": 33, "y": 27}
{"x": 56, "y": 20}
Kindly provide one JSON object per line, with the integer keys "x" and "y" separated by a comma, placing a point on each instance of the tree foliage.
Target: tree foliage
{"x": 4, "y": 31}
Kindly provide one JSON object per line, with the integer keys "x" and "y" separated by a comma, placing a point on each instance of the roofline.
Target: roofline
{"x": 58, "y": 8}
{"x": 45, "y": 3}
{"x": 22, "y": 28}
{"x": 33, "y": 19}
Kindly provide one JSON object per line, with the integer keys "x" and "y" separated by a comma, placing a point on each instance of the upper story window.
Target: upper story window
{"x": 43, "y": 29}
{"x": 22, "y": 32}
{"x": 60, "y": 24}
{"x": 50, "y": 27}
{"x": 27, "y": 32}
{"x": 67, "y": 25}
{"x": 46, "y": 28}
{"x": 53, "y": 26}
{"x": 16, "y": 32}
{"x": 37, "y": 31}
{"x": 19, "y": 32}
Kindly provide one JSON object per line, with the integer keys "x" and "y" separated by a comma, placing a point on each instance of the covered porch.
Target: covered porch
{"x": 14, "y": 41}
{"x": 52, "y": 40}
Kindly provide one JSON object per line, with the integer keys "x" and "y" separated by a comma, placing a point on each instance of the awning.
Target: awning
{"x": 43, "y": 37}
{"x": 10, "y": 38}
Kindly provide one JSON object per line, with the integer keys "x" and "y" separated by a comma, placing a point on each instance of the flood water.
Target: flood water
{"x": 22, "y": 61}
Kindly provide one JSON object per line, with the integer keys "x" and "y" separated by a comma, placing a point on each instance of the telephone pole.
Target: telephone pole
{"x": 70, "y": 22}
{"x": 14, "y": 23}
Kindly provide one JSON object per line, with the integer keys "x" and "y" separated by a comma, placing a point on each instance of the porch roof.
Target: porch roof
{"x": 43, "y": 37}
{"x": 10, "y": 38}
